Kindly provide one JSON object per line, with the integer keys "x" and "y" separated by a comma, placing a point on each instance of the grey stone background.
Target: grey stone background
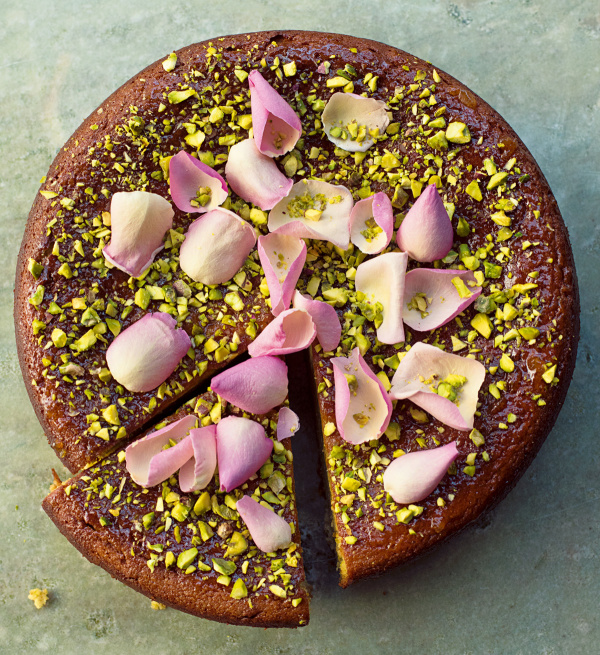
{"x": 525, "y": 580}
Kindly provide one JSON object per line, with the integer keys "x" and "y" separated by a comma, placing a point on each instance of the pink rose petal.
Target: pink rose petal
{"x": 268, "y": 530}
{"x": 254, "y": 176}
{"x": 139, "y": 222}
{"x": 362, "y": 406}
{"x": 187, "y": 175}
{"x": 256, "y": 385}
{"x": 381, "y": 279}
{"x": 441, "y": 295}
{"x": 295, "y": 214}
{"x": 412, "y": 477}
{"x": 376, "y": 209}
{"x": 242, "y": 448}
{"x": 291, "y": 331}
{"x": 198, "y": 471}
{"x": 216, "y": 246}
{"x": 426, "y": 231}
{"x": 424, "y": 367}
{"x": 288, "y": 423}
{"x": 325, "y": 318}
{"x": 147, "y": 462}
{"x": 144, "y": 355}
{"x": 282, "y": 257}
{"x": 367, "y": 114}
{"x": 275, "y": 124}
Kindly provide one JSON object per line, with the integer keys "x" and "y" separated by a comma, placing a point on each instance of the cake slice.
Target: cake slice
{"x": 191, "y": 551}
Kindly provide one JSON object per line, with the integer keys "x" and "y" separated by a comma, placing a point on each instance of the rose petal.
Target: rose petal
{"x": 187, "y": 175}
{"x": 216, "y": 246}
{"x": 289, "y": 216}
{"x": 268, "y": 530}
{"x": 282, "y": 257}
{"x": 143, "y": 356}
{"x": 288, "y": 423}
{"x": 424, "y": 366}
{"x": 275, "y": 124}
{"x": 254, "y": 176}
{"x": 365, "y": 115}
{"x": 242, "y": 448}
{"x": 362, "y": 406}
{"x": 198, "y": 471}
{"x": 443, "y": 299}
{"x": 412, "y": 477}
{"x": 147, "y": 462}
{"x": 291, "y": 331}
{"x": 378, "y": 211}
{"x": 426, "y": 231}
{"x": 139, "y": 221}
{"x": 256, "y": 385}
{"x": 381, "y": 279}
{"x": 325, "y": 318}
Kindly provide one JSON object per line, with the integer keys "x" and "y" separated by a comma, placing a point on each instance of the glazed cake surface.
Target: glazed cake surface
{"x": 524, "y": 328}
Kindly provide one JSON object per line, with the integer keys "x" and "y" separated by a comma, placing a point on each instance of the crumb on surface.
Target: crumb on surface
{"x": 39, "y": 597}
{"x": 157, "y": 606}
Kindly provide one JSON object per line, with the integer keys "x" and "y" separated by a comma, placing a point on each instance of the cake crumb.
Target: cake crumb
{"x": 39, "y": 597}
{"x": 157, "y": 606}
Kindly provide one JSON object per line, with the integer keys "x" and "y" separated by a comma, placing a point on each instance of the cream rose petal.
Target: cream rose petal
{"x": 352, "y": 122}
{"x": 426, "y": 232}
{"x": 275, "y": 124}
{"x": 144, "y": 355}
{"x": 381, "y": 279}
{"x": 198, "y": 471}
{"x": 139, "y": 222}
{"x": 216, "y": 246}
{"x": 189, "y": 178}
{"x": 372, "y": 223}
{"x": 268, "y": 530}
{"x": 412, "y": 477}
{"x": 147, "y": 462}
{"x": 282, "y": 257}
{"x": 362, "y": 406}
{"x": 291, "y": 331}
{"x": 425, "y": 367}
{"x": 288, "y": 423}
{"x": 444, "y": 293}
{"x": 316, "y": 210}
{"x": 325, "y": 318}
{"x": 254, "y": 176}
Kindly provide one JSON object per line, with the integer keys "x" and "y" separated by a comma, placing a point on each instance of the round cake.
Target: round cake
{"x": 406, "y": 238}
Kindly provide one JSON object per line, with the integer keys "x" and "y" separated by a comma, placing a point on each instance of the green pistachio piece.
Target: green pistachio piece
{"x": 170, "y": 62}
{"x": 223, "y": 566}
{"x": 58, "y": 338}
{"x": 457, "y": 132}
{"x": 239, "y": 589}
{"x": 497, "y": 179}
{"x": 438, "y": 141}
{"x": 474, "y": 191}
{"x": 85, "y": 342}
{"x": 186, "y": 558}
{"x": 38, "y": 296}
{"x": 111, "y": 415}
{"x": 237, "y": 545}
{"x": 175, "y": 97}
{"x": 34, "y": 268}
{"x": 482, "y": 324}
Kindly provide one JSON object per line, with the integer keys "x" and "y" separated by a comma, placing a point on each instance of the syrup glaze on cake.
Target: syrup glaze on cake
{"x": 524, "y": 328}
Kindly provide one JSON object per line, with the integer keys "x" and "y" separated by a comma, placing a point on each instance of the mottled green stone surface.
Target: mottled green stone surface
{"x": 527, "y": 578}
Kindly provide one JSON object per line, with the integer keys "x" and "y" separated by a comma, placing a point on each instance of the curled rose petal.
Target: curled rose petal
{"x": 433, "y": 296}
{"x": 288, "y": 423}
{"x": 352, "y": 122}
{"x": 256, "y": 385}
{"x": 362, "y": 406}
{"x": 275, "y": 124}
{"x": 372, "y": 223}
{"x": 198, "y": 471}
{"x": 412, "y": 477}
{"x": 242, "y": 448}
{"x": 381, "y": 280}
{"x": 282, "y": 257}
{"x": 254, "y": 176}
{"x": 147, "y": 462}
{"x": 216, "y": 246}
{"x": 314, "y": 209}
{"x": 426, "y": 231}
{"x": 268, "y": 530}
{"x": 143, "y": 356}
{"x": 139, "y": 221}
{"x": 291, "y": 331}
{"x": 325, "y": 318}
{"x": 195, "y": 187}
{"x": 442, "y": 384}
